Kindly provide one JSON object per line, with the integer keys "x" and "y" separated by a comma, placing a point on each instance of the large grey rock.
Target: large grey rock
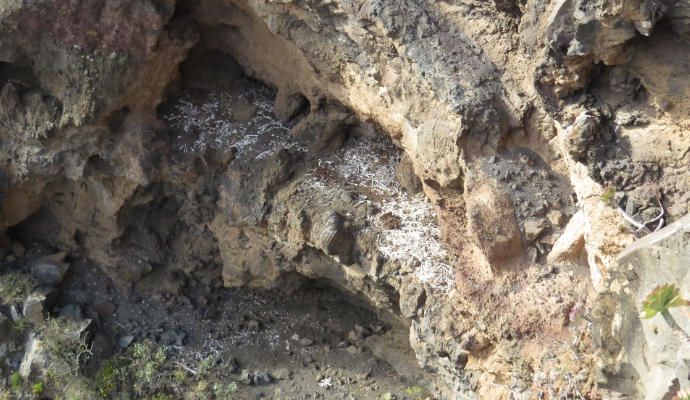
{"x": 49, "y": 273}
{"x": 38, "y": 304}
{"x": 35, "y": 357}
{"x": 644, "y": 358}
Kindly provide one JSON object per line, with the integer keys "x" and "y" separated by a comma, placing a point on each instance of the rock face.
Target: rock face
{"x": 424, "y": 156}
{"x": 646, "y": 359}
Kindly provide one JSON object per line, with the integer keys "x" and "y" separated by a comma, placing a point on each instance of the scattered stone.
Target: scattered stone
{"x": 534, "y": 227}
{"x": 261, "y": 378}
{"x": 125, "y": 341}
{"x": 352, "y": 349}
{"x": 48, "y": 273}
{"x": 354, "y": 336}
{"x": 556, "y": 217}
{"x": 246, "y": 377}
{"x": 37, "y": 304}
{"x": 570, "y": 244}
{"x": 388, "y": 396}
{"x": 306, "y": 342}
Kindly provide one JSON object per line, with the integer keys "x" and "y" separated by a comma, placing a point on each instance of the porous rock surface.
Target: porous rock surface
{"x": 132, "y": 133}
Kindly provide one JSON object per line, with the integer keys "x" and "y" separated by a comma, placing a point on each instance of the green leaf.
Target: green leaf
{"x": 661, "y": 299}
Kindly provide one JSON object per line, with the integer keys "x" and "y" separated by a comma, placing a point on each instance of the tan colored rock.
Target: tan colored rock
{"x": 534, "y": 227}
{"x": 491, "y": 221}
{"x": 571, "y": 242}
{"x": 556, "y": 217}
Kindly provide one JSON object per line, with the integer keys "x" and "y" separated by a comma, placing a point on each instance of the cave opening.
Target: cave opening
{"x": 134, "y": 241}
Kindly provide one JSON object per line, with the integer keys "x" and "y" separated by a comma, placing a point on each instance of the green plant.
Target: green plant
{"x": 109, "y": 377}
{"x": 147, "y": 364}
{"x": 205, "y": 366}
{"x": 416, "y": 392}
{"x": 16, "y": 382}
{"x": 64, "y": 340}
{"x": 37, "y": 388}
{"x": 225, "y": 391}
{"x": 20, "y": 326}
{"x": 660, "y": 301}
{"x": 14, "y": 287}
{"x": 608, "y": 195}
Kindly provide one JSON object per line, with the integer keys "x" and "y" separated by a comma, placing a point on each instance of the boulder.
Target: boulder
{"x": 492, "y": 222}
{"x": 571, "y": 243}
{"x": 38, "y": 303}
{"x": 644, "y": 358}
{"x": 331, "y": 233}
{"x": 534, "y": 227}
{"x": 50, "y": 270}
{"x": 289, "y": 105}
{"x": 35, "y": 357}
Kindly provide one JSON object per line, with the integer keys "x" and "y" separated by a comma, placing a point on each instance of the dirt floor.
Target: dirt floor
{"x": 311, "y": 342}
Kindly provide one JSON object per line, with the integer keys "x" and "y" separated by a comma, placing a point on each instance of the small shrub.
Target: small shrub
{"x": 225, "y": 391}
{"x": 37, "y": 388}
{"x": 68, "y": 348}
{"x": 147, "y": 364}
{"x": 206, "y": 366}
{"x": 20, "y": 326}
{"x": 16, "y": 382}
{"x": 15, "y": 287}
{"x": 109, "y": 378}
{"x": 416, "y": 392}
{"x": 180, "y": 375}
